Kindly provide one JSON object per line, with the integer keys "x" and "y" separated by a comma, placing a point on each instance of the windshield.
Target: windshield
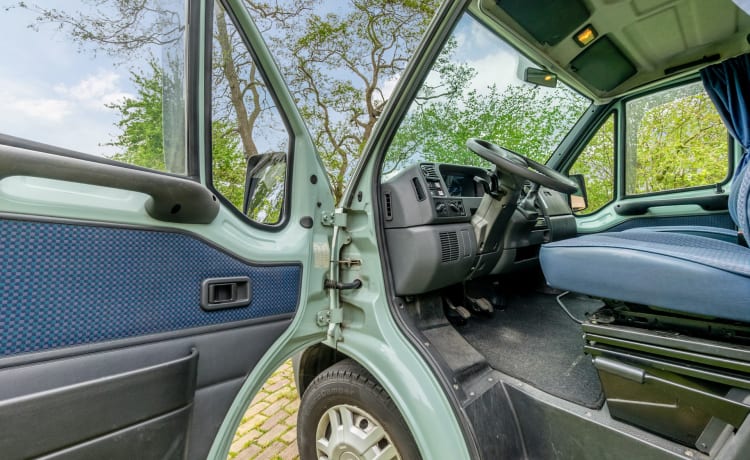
{"x": 475, "y": 89}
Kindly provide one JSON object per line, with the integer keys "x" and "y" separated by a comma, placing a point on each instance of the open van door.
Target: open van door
{"x": 136, "y": 298}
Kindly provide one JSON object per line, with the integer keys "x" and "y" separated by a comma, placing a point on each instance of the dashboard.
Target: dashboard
{"x": 432, "y": 193}
{"x": 431, "y": 241}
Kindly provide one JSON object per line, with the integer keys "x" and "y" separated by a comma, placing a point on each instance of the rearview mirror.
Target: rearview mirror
{"x": 540, "y": 77}
{"x": 579, "y": 200}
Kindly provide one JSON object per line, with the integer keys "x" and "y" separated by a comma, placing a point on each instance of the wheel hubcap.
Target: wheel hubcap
{"x": 347, "y": 432}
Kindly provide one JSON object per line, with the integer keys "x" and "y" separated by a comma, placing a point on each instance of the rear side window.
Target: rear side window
{"x": 104, "y": 78}
{"x": 675, "y": 139}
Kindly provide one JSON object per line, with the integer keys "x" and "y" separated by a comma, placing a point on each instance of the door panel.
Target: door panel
{"x": 139, "y": 438}
{"x": 104, "y": 344}
{"x": 77, "y": 284}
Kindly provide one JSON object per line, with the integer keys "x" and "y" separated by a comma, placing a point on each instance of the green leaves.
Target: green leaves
{"x": 341, "y": 65}
{"x": 675, "y": 140}
{"x": 524, "y": 119}
{"x": 142, "y": 137}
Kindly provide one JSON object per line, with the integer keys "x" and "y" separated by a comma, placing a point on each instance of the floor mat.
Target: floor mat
{"x": 535, "y": 341}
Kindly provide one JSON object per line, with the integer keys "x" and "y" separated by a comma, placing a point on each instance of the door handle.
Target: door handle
{"x": 221, "y": 293}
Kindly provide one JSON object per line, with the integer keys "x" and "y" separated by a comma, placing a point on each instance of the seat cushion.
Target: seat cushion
{"x": 680, "y": 272}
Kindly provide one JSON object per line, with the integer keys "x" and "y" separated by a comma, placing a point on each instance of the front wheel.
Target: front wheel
{"x": 346, "y": 415}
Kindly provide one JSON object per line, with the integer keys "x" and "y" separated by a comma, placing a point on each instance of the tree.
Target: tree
{"x": 340, "y": 65}
{"x": 142, "y": 137}
{"x": 597, "y": 165}
{"x": 524, "y": 119}
{"x": 674, "y": 144}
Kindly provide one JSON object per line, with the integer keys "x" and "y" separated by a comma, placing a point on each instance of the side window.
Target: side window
{"x": 106, "y": 80}
{"x": 250, "y": 140}
{"x": 597, "y": 165}
{"x": 674, "y": 139}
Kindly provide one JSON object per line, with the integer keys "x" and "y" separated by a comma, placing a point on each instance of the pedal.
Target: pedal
{"x": 463, "y": 312}
{"x": 481, "y": 304}
{"x": 459, "y": 310}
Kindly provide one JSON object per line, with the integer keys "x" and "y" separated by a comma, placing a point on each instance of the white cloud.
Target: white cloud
{"x": 73, "y": 117}
{"x": 389, "y": 86}
{"x": 38, "y": 108}
{"x": 95, "y": 91}
{"x": 498, "y": 68}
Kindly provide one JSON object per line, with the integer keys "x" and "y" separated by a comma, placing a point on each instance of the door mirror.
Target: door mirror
{"x": 578, "y": 199}
{"x": 540, "y": 77}
{"x": 264, "y": 186}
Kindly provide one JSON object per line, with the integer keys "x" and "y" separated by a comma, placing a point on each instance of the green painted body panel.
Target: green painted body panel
{"x": 370, "y": 335}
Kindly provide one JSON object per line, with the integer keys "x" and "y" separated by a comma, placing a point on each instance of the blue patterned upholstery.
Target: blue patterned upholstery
{"x": 738, "y": 200}
{"x": 685, "y": 271}
{"x": 64, "y": 285}
{"x": 722, "y": 234}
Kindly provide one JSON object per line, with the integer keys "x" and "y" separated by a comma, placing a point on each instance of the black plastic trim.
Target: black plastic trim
{"x": 98, "y": 406}
{"x": 668, "y": 340}
{"x": 163, "y": 437}
{"x": 241, "y": 293}
{"x": 192, "y": 73}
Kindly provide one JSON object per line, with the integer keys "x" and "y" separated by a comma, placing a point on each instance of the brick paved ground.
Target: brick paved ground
{"x": 269, "y": 428}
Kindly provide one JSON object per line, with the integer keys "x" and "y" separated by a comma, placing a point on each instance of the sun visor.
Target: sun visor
{"x": 548, "y": 21}
{"x": 603, "y": 65}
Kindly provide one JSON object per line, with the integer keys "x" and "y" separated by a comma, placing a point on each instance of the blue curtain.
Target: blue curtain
{"x": 728, "y": 86}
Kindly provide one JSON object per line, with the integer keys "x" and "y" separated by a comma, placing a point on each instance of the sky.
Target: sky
{"x": 52, "y": 90}
{"x": 495, "y": 62}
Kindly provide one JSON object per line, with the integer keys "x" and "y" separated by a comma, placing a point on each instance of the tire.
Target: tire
{"x": 369, "y": 424}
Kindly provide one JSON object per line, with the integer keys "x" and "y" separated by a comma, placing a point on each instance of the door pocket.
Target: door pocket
{"x": 43, "y": 421}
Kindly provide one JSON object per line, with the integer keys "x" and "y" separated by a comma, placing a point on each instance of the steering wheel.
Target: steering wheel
{"x": 521, "y": 166}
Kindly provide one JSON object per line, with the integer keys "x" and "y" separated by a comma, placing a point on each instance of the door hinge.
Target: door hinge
{"x": 326, "y": 317}
{"x": 334, "y": 219}
{"x": 334, "y": 316}
{"x": 348, "y": 263}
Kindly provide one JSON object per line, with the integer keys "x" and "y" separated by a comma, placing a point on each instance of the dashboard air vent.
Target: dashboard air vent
{"x": 429, "y": 171}
{"x": 449, "y": 250}
{"x": 418, "y": 189}
{"x": 388, "y": 206}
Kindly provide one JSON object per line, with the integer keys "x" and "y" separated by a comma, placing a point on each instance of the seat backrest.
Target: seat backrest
{"x": 739, "y": 202}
